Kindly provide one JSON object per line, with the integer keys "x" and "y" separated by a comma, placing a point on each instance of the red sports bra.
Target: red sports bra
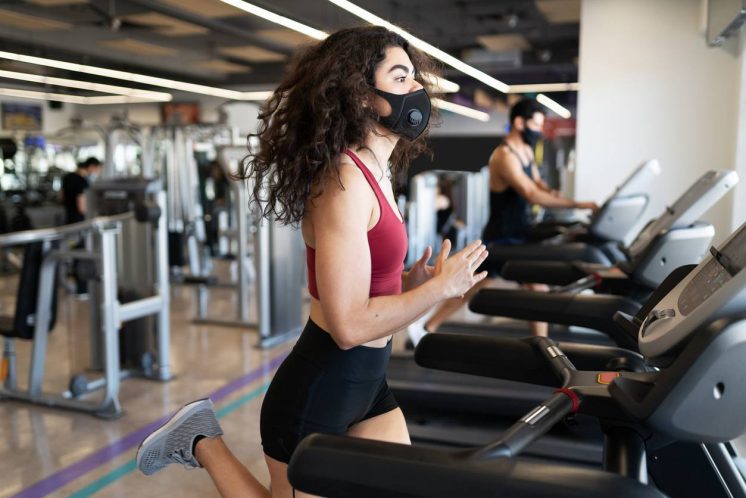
{"x": 387, "y": 241}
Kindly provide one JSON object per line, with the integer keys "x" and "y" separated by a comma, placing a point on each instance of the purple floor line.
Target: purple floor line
{"x": 70, "y": 473}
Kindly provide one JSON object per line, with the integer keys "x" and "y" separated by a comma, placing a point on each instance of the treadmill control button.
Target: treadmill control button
{"x": 607, "y": 377}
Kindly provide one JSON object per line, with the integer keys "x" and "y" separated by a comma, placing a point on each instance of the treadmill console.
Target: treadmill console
{"x": 716, "y": 287}
{"x": 640, "y": 179}
{"x": 700, "y": 197}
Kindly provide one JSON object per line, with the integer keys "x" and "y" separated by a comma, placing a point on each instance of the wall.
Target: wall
{"x": 651, "y": 87}
{"x": 240, "y": 114}
{"x": 456, "y": 125}
{"x": 52, "y": 119}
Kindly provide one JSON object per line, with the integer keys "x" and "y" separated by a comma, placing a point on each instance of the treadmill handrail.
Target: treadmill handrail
{"x": 99, "y": 223}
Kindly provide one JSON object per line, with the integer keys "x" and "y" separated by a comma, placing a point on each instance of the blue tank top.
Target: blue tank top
{"x": 510, "y": 213}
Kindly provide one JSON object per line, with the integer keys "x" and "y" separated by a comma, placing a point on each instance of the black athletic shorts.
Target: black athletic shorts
{"x": 322, "y": 388}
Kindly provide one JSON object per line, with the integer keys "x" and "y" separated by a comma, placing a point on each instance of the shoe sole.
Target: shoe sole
{"x": 184, "y": 411}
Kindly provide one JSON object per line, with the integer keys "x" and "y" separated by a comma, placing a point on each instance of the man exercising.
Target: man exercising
{"x": 515, "y": 184}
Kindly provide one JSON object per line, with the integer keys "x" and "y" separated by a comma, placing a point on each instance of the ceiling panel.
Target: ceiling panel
{"x": 206, "y": 8}
{"x": 221, "y": 66}
{"x": 560, "y": 11}
{"x": 167, "y": 25}
{"x": 284, "y": 36}
{"x": 501, "y": 43}
{"x": 252, "y": 54}
{"x": 31, "y": 23}
{"x": 54, "y": 3}
{"x": 138, "y": 47}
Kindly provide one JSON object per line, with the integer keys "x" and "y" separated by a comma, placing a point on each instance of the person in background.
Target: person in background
{"x": 73, "y": 196}
{"x": 74, "y": 186}
{"x": 515, "y": 185}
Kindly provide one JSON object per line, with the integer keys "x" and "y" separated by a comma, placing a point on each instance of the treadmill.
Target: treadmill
{"x": 671, "y": 241}
{"x": 667, "y": 429}
{"x": 668, "y": 242}
{"x": 436, "y": 403}
{"x": 711, "y": 184}
{"x": 619, "y": 219}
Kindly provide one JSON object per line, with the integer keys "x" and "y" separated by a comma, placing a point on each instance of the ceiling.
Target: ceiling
{"x": 210, "y": 42}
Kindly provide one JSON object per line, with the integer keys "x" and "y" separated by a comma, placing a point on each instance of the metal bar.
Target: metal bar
{"x": 42, "y": 317}
{"x": 110, "y": 321}
{"x": 164, "y": 291}
{"x": 263, "y": 283}
{"x": 140, "y": 308}
{"x": 528, "y": 429}
{"x": 242, "y": 304}
{"x": 49, "y": 234}
{"x": 559, "y": 362}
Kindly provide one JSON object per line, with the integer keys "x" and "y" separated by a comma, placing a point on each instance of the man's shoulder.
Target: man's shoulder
{"x": 501, "y": 156}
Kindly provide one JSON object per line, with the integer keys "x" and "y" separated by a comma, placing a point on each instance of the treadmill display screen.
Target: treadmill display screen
{"x": 723, "y": 266}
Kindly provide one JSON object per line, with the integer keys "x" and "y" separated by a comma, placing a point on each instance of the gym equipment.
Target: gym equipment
{"x": 695, "y": 335}
{"x": 707, "y": 190}
{"x": 673, "y": 240}
{"x": 136, "y": 287}
{"x": 619, "y": 219}
{"x": 279, "y": 268}
{"x": 36, "y": 310}
{"x": 419, "y": 390}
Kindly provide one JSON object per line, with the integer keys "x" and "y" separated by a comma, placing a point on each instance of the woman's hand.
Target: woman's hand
{"x": 456, "y": 274}
{"x": 420, "y": 272}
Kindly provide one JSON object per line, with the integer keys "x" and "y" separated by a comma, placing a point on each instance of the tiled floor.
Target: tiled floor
{"x": 48, "y": 452}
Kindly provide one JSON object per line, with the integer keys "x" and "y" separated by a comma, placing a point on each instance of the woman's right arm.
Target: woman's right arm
{"x": 343, "y": 268}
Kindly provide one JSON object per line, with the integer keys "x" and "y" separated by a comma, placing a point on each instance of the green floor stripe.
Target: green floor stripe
{"x": 104, "y": 481}
{"x": 131, "y": 466}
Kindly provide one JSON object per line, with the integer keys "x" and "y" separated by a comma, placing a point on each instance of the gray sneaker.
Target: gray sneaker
{"x": 172, "y": 442}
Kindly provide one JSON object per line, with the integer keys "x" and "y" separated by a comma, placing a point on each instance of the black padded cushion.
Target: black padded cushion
{"x": 27, "y": 296}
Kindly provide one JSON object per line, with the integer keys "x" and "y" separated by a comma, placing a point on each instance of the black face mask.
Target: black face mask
{"x": 531, "y": 137}
{"x": 410, "y": 113}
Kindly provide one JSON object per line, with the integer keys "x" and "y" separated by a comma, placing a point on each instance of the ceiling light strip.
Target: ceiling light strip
{"x": 545, "y": 87}
{"x": 554, "y": 106}
{"x": 441, "y": 85}
{"x": 86, "y": 85}
{"x": 124, "y": 75}
{"x": 70, "y": 99}
{"x": 277, "y": 19}
{"x": 461, "y": 109}
{"x": 422, "y": 45}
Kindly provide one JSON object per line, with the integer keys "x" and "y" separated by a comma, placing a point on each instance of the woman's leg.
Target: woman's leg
{"x": 450, "y": 307}
{"x": 231, "y": 477}
{"x": 278, "y": 474}
{"x": 538, "y": 329}
{"x": 389, "y": 426}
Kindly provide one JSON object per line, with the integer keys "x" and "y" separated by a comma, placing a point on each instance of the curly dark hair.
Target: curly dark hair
{"x": 316, "y": 112}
